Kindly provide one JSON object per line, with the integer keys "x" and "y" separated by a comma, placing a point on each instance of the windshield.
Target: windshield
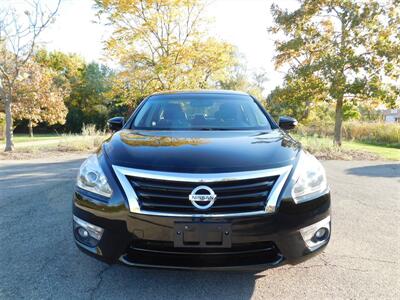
{"x": 201, "y": 112}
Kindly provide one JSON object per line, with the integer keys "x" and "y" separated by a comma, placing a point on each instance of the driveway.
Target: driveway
{"x": 38, "y": 258}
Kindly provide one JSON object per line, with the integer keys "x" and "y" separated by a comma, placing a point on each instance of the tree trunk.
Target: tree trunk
{"x": 306, "y": 112}
{"x": 338, "y": 121}
{"x": 30, "y": 126}
{"x": 9, "y": 125}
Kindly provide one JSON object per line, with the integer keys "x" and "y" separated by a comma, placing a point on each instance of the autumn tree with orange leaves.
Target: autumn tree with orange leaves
{"x": 37, "y": 99}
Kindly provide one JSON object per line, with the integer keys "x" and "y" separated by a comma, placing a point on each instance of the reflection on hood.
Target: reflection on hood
{"x": 134, "y": 139}
{"x": 201, "y": 151}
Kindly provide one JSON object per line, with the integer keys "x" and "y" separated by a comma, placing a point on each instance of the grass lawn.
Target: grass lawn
{"x": 20, "y": 138}
{"x": 324, "y": 148}
{"x": 389, "y": 153}
{"x": 51, "y": 145}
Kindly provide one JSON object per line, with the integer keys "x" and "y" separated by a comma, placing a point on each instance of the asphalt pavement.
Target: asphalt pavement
{"x": 39, "y": 260}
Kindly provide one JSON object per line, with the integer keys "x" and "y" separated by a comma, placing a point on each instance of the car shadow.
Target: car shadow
{"x": 382, "y": 170}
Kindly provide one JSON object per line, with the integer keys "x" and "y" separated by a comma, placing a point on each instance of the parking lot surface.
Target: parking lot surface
{"x": 38, "y": 258}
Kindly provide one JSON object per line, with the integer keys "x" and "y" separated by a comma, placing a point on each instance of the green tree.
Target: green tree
{"x": 297, "y": 97}
{"x": 352, "y": 47}
{"x": 162, "y": 45}
{"x": 69, "y": 73}
{"x": 88, "y": 85}
{"x": 92, "y": 95}
{"x": 238, "y": 80}
{"x": 68, "y": 68}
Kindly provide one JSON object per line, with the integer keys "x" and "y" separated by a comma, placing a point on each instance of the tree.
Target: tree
{"x": 238, "y": 80}
{"x": 161, "y": 45}
{"x": 352, "y": 47}
{"x": 37, "y": 99}
{"x": 88, "y": 85}
{"x": 18, "y": 39}
{"x": 91, "y": 96}
{"x": 68, "y": 68}
{"x": 297, "y": 97}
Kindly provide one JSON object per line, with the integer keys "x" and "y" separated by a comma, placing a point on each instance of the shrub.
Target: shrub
{"x": 70, "y": 143}
{"x": 367, "y": 132}
{"x": 90, "y": 130}
{"x": 316, "y": 129}
{"x": 376, "y": 133}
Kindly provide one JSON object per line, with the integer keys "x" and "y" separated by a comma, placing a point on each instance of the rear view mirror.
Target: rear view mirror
{"x": 116, "y": 123}
{"x": 287, "y": 123}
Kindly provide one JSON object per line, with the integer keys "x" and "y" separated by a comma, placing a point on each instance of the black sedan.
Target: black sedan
{"x": 201, "y": 179}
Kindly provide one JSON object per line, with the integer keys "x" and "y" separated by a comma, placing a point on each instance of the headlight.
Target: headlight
{"x": 310, "y": 179}
{"x": 91, "y": 177}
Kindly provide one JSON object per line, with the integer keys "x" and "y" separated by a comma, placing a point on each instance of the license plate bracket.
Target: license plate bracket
{"x": 202, "y": 235}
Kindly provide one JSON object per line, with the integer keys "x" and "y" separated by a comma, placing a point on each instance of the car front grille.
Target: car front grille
{"x": 236, "y": 196}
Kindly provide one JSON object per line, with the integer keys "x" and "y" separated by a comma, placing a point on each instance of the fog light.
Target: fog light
{"x": 321, "y": 234}
{"x": 87, "y": 233}
{"x": 317, "y": 235}
{"x": 83, "y": 232}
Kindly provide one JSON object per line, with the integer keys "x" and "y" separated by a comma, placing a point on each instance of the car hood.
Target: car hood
{"x": 201, "y": 151}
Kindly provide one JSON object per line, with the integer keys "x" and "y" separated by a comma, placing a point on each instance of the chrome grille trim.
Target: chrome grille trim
{"x": 134, "y": 207}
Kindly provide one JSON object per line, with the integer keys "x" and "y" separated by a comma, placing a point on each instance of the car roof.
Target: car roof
{"x": 180, "y": 92}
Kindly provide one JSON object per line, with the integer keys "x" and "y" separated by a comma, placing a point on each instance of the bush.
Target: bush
{"x": 80, "y": 143}
{"x": 373, "y": 133}
{"x": 90, "y": 130}
{"x": 316, "y": 129}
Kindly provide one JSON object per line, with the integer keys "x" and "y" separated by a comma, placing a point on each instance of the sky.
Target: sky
{"x": 243, "y": 23}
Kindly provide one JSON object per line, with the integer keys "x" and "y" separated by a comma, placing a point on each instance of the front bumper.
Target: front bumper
{"x": 256, "y": 241}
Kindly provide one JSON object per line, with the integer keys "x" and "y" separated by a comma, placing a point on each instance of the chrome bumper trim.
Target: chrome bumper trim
{"x": 273, "y": 264}
{"x": 162, "y": 214}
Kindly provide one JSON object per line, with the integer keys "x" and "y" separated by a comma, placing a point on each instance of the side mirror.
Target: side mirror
{"x": 287, "y": 123}
{"x": 116, "y": 123}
